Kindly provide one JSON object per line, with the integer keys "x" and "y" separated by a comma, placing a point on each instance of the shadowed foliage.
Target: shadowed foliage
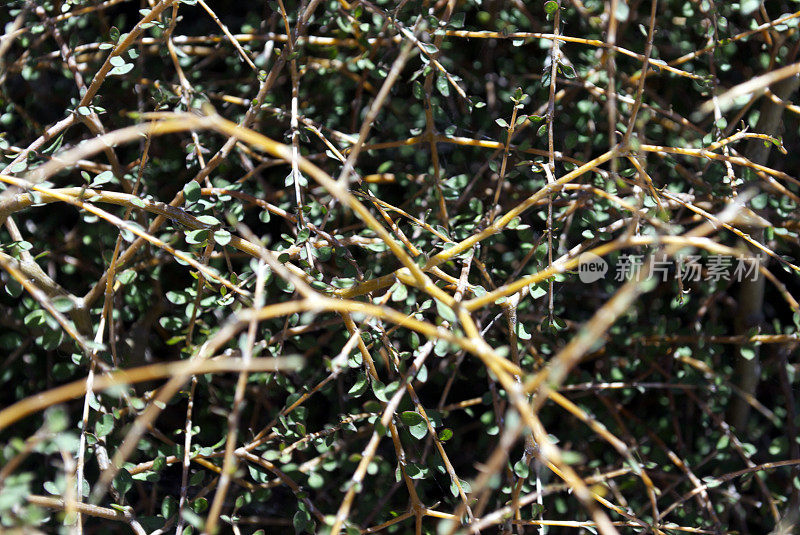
{"x": 350, "y": 266}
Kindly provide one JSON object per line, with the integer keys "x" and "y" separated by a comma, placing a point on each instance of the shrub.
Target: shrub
{"x": 380, "y": 267}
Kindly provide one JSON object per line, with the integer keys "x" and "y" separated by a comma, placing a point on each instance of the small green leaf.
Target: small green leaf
{"x": 623, "y": 11}
{"x": 222, "y": 237}
{"x": 104, "y": 425}
{"x": 63, "y": 304}
{"x": 416, "y": 424}
{"x": 415, "y": 471}
{"x": 522, "y": 469}
{"x": 411, "y": 418}
{"x": 54, "y": 146}
{"x": 126, "y": 277}
{"x": 302, "y": 523}
{"x": 35, "y": 318}
{"x": 198, "y": 236}
{"x": 54, "y": 488}
{"x": 200, "y": 505}
{"x": 384, "y": 392}
{"x": 748, "y": 353}
{"x": 430, "y": 48}
{"x": 417, "y": 90}
{"x": 748, "y": 6}
{"x": 537, "y": 292}
{"x": 192, "y": 518}
{"x": 399, "y": 292}
{"x": 445, "y": 312}
{"x": 359, "y": 388}
{"x": 102, "y": 178}
{"x": 191, "y": 192}
{"x": 197, "y": 478}
{"x": 522, "y": 334}
{"x": 208, "y": 220}
{"x": 123, "y": 482}
{"x": 465, "y": 486}
{"x": 169, "y": 507}
{"x": 159, "y": 463}
{"x": 442, "y": 85}
{"x": 124, "y": 69}
{"x": 418, "y": 431}
{"x": 121, "y": 508}
{"x": 571, "y": 457}
{"x": 56, "y": 419}
{"x": 315, "y": 481}
{"x": 18, "y": 167}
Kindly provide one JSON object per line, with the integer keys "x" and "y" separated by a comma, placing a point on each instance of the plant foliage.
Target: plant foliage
{"x": 326, "y": 266}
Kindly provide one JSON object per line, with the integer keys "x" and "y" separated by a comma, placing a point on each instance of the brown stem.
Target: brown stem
{"x": 749, "y": 313}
